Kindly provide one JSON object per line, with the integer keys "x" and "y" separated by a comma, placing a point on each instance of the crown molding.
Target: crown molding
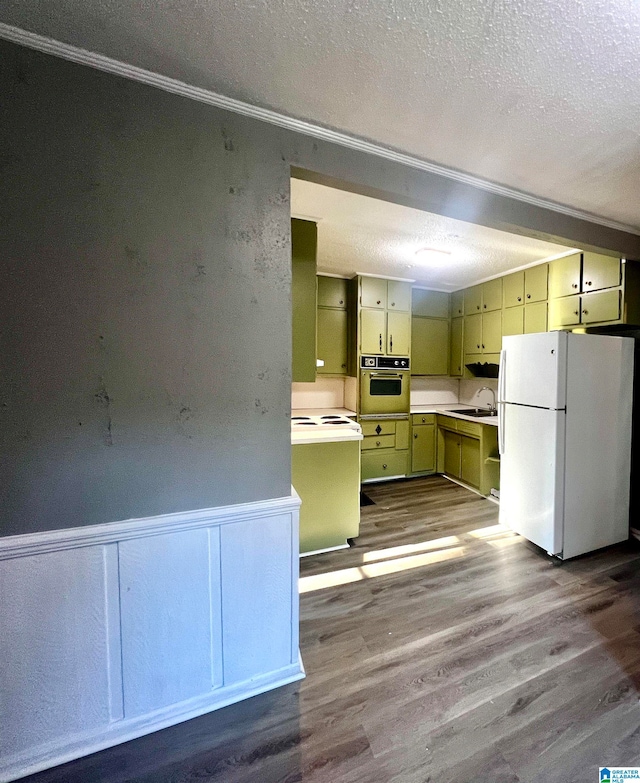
{"x": 102, "y": 63}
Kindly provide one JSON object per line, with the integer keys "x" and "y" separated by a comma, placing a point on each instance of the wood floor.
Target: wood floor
{"x": 465, "y": 656}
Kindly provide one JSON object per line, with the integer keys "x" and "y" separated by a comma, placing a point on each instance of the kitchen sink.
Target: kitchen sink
{"x": 477, "y": 413}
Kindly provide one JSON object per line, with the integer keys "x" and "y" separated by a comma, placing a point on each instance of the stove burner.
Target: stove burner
{"x": 307, "y": 423}
{"x": 329, "y": 417}
{"x": 341, "y": 421}
{"x": 300, "y": 418}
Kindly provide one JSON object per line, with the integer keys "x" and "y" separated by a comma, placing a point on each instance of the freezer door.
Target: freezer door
{"x": 533, "y": 370}
{"x": 532, "y": 442}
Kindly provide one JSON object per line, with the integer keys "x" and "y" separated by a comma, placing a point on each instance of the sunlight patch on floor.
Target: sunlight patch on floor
{"x": 409, "y": 549}
{"x": 308, "y": 584}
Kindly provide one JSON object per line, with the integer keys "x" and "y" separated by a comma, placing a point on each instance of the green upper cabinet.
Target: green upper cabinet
{"x": 513, "y": 320}
{"x": 455, "y": 348}
{"x": 398, "y": 296}
{"x": 473, "y": 333}
{"x": 373, "y": 292}
{"x": 564, "y": 312}
{"x": 536, "y": 283}
{"x": 492, "y": 295}
{"x": 431, "y": 304}
{"x": 398, "y": 334}
{"x": 429, "y": 346}
{"x": 304, "y": 240}
{"x": 602, "y": 306}
{"x": 457, "y": 304}
{"x": 473, "y": 300}
{"x": 600, "y": 271}
{"x": 332, "y": 341}
{"x": 513, "y": 290}
{"x": 535, "y": 318}
{"x": 492, "y": 332}
{"x": 332, "y": 292}
{"x": 373, "y": 333}
{"x": 564, "y": 276}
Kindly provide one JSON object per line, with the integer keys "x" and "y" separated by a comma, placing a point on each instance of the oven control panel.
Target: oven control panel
{"x": 384, "y": 363}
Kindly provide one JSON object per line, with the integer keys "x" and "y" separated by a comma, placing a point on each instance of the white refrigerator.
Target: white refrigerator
{"x": 564, "y": 431}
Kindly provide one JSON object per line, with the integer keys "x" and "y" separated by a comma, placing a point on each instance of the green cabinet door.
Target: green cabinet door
{"x": 431, "y": 304}
{"x": 398, "y": 334}
{"x": 535, "y": 318}
{"x": 473, "y": 300}
{"x": 332, "y": 341}
{"x": 429, "y": 346}
{"x": 373, "y": 292}
{"x": 513, "y": 290}
{"x": 455, "y": 348}
{"x": 492, "y": 295}
{"x": 402, "y": 434}
{"x": 603, "y": 306}
{"x": 457, "y": 304}
{"x": 564, "y": 312}
{"x": 398, "y": 296}
{"x": 492, "y": 332}
{"x": 536, "y": 283}
{"x": 372, "y": 331}
{"x": 451, "y": 442}
{"x": 564, "y": 276}
{"x": 600, "y": 271}
{"x": 332, "y": 292}
{"x": 513, "y": 321}
{"x": 473, "y": 333}
{"x": 304, "y": 236}
{"x": 470, "y": 469}
{"x": 423, "y": 449}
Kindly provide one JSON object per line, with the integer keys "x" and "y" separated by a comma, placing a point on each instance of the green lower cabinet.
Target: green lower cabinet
{"x": 423, "y": 449}
{"x": 468, "y": 451}
{"x": 385, "y": 448}
{"x": 327, "y": 478}
{"x": 429, "y": 346}
{"x": 384, "y": 463}
{"x": 332, "y": 341}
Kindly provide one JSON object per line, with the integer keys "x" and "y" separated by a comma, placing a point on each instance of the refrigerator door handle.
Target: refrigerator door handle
{"x": 501, "y": 374}
{"x": 501, "y": 411}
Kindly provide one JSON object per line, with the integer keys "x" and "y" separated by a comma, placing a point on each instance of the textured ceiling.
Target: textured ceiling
{"x": 361, "y": 234}
{"x": 539, "y": 95}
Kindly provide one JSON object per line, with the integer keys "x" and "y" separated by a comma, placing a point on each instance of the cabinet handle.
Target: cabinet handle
{"x": 380, "y": 341}
{"x": 585, "y": 312}
{"x": 528, "y": 296}
{"x": 415, "y": 434}
{"x": 576, "y": 312}
{"x": 384, "y": 466}
{"x": 519, "y": 298}
{"x": 483, "y": 346}
{"x": 342, "y": 301}
{"x": 477, "y": 307}
{"x": 485, "y": 307}
{"x": 574, "y": 285}
{"x": 343, "y": 365}
{"x": 378, "y": 302}
{"x": 393, "y": 304}
{"x": 588, "y": 282}
{"x": 423, "y": 420}
{"x": 377, "y": 443}
{"x": 477, "y": 346}
{"x": 391, "y": 343}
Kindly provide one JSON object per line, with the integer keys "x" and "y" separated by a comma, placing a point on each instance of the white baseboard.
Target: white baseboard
{"x": 132, "y": 627}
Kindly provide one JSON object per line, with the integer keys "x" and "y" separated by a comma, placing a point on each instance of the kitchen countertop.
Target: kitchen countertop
{"x": 492, "y": 421}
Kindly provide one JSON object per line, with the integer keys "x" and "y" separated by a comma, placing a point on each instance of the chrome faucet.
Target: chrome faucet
{"x": 492, "y": 406}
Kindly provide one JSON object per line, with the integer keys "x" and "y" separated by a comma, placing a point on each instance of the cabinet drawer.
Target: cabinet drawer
{"x": 371, "y": 427}
{"x": 379, "y": 442}
{"x": 423, "y": 418}
{"x": 448, "y": 422}
{"x": 469, "y": 427}
{"x": 383, "y": 463}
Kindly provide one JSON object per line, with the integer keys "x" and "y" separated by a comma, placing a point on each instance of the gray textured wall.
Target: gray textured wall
{"x": 145, "y": 286}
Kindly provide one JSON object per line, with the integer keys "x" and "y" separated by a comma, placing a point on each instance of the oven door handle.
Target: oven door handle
{"x": 386, "y": 374}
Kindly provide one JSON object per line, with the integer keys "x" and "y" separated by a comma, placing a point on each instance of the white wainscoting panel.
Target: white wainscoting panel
{"x": 166, "y": 619}
{"x": 114, "y": 631}
{"x": 59, "y": 651}
{"x": 255, "y": 581}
